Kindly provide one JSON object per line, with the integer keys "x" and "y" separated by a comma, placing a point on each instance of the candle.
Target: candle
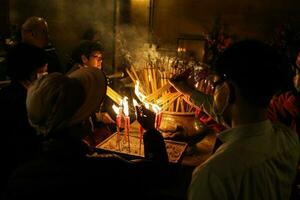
{"x": 141, "y": 129}
{"x": 118, "y": 111}
{"x": 157, "y": 111}
{"x": 159, "y": 117}
{"x": 127, "y": 120}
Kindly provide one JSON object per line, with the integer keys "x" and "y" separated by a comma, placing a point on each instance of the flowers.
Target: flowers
{"x": 217, "y": 41}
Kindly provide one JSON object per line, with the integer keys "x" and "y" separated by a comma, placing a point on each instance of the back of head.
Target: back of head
{"x": 35, "y": 31}
{"x": 86, "y": 48}
{"x": 23, "y": 61}
{"x": 56, "y": 101}
{"x": 255, "y": 68}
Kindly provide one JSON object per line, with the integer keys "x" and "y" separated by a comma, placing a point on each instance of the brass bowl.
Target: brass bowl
{"x": 184, "y": 122}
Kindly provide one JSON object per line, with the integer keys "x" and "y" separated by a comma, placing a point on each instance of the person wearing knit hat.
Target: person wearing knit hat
{"x": 58, "y": 105}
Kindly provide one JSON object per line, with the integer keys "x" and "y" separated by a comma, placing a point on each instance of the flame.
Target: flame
{"x": 142, "y": 98}
{"x": 147, "y": 105}
{"x": 115, "y": 108}
{"x": 135, "y": 103}
{"x": 125, "y": 105}
{"x": 155, "y": 108}
{"x": 137, "y": 92}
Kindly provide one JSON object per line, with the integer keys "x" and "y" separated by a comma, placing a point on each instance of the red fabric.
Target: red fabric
{"x": 209, "y": 121}
{"x": 285, "y": 109}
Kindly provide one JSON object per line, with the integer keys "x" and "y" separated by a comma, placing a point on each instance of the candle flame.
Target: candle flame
{"x": 137, "y": 92}
{"x": 135, "y": 103}
{"x": 125, "y": 106}
{"x": 115, "y": 108}
{"x": 155, "y": 108}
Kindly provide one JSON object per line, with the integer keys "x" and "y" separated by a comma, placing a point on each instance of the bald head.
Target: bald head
{"x": 35, "y": 32}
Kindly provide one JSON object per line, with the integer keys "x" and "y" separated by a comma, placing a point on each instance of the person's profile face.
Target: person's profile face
{"x": 95, "y": 60}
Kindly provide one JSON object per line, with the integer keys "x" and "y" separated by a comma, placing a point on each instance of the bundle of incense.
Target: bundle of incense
{"x": 158, "y": 92}
{"x": 113, "y": 95}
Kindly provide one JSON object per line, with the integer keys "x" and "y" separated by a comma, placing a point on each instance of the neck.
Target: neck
{"x": 247, "y": 114}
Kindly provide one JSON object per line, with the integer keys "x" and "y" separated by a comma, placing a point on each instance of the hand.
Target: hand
{"x": 205, "y": 86}
{"x": 145, "y": 117}
{"x": 105, "y": 118}
{"x": 181, "y": 77}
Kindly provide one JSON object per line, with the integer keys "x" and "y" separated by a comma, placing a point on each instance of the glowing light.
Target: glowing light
{"x": 115, "y": 108}
{"x": 135, "y": 103}
{"x": 137, "y": 92}
{"x": 155, "y": 108}
{"x": 125, "y": 105}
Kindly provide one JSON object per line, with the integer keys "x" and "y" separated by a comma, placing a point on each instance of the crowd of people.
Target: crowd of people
{"x": 47, "y": 116}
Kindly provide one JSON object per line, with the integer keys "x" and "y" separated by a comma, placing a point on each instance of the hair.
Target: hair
{"x": 89, "y": 34}
{"x": 256, "y": 69}
{"x": 23, "y": 61}
{"x": 86, "y": 48}
{"x": 33, "y": 24}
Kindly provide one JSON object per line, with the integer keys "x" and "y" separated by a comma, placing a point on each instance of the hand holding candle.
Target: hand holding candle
{"x": 145, "y": 117}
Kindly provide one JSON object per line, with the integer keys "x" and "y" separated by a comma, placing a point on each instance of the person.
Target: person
{"x": 58, "y": 105}
{"x": 255, "y": 158}
{"x": 19, "y": 140}
{"x": 284, "y": 107}
{"x": 89, "y": 54}
{"x": 34, "y": 31}
{"x": 86, "y": 54}
{"x": 202, "y": 98}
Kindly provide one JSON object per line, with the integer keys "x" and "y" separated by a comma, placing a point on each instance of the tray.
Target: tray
{"x": 175, "y": 149}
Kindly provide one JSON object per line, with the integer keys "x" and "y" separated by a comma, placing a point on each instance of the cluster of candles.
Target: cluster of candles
{"x": 122, "y": 113}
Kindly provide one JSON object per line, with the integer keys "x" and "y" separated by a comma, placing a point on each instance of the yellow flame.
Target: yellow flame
{"x": 125, "y": 106}
{"x": 142, "y": 98}
{"x": 155, "y": 108}
{"x": 115, "y": 108}
{"x": 137, "y": 92}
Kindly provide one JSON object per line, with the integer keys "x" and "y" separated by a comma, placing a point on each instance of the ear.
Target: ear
{"x": 84, "y": 59}
{"x": 223, "y": 96}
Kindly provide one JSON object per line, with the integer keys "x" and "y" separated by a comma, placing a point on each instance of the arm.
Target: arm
{"x": 198, "y": 98}
{"x": 154, "y": 145}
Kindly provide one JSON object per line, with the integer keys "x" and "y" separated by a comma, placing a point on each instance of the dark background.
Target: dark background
{"x": 145, "y": 21}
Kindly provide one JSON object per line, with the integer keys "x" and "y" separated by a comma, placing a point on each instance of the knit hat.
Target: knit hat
{"x": 56, "y": 101}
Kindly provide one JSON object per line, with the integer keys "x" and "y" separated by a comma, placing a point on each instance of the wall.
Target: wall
{"x": 245, "y": 18}
{"x": 68, "y": 20}
{"x": 4, "y": 18}
{"x": 172, "y": 19}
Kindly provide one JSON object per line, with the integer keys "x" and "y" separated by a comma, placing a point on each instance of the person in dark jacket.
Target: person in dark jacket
{"x": 19, "y": 140}
{"x": 34, "y": 31}
{"x": 58, "y": 106}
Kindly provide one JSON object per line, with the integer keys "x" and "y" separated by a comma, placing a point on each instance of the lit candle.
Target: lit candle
{"x": 137, "y": 92}
{"x": 141, "y": 129}
{"x": 127, "y": 120}
{"x": 157, "y": 111}
{"x": 118, "y": 111}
